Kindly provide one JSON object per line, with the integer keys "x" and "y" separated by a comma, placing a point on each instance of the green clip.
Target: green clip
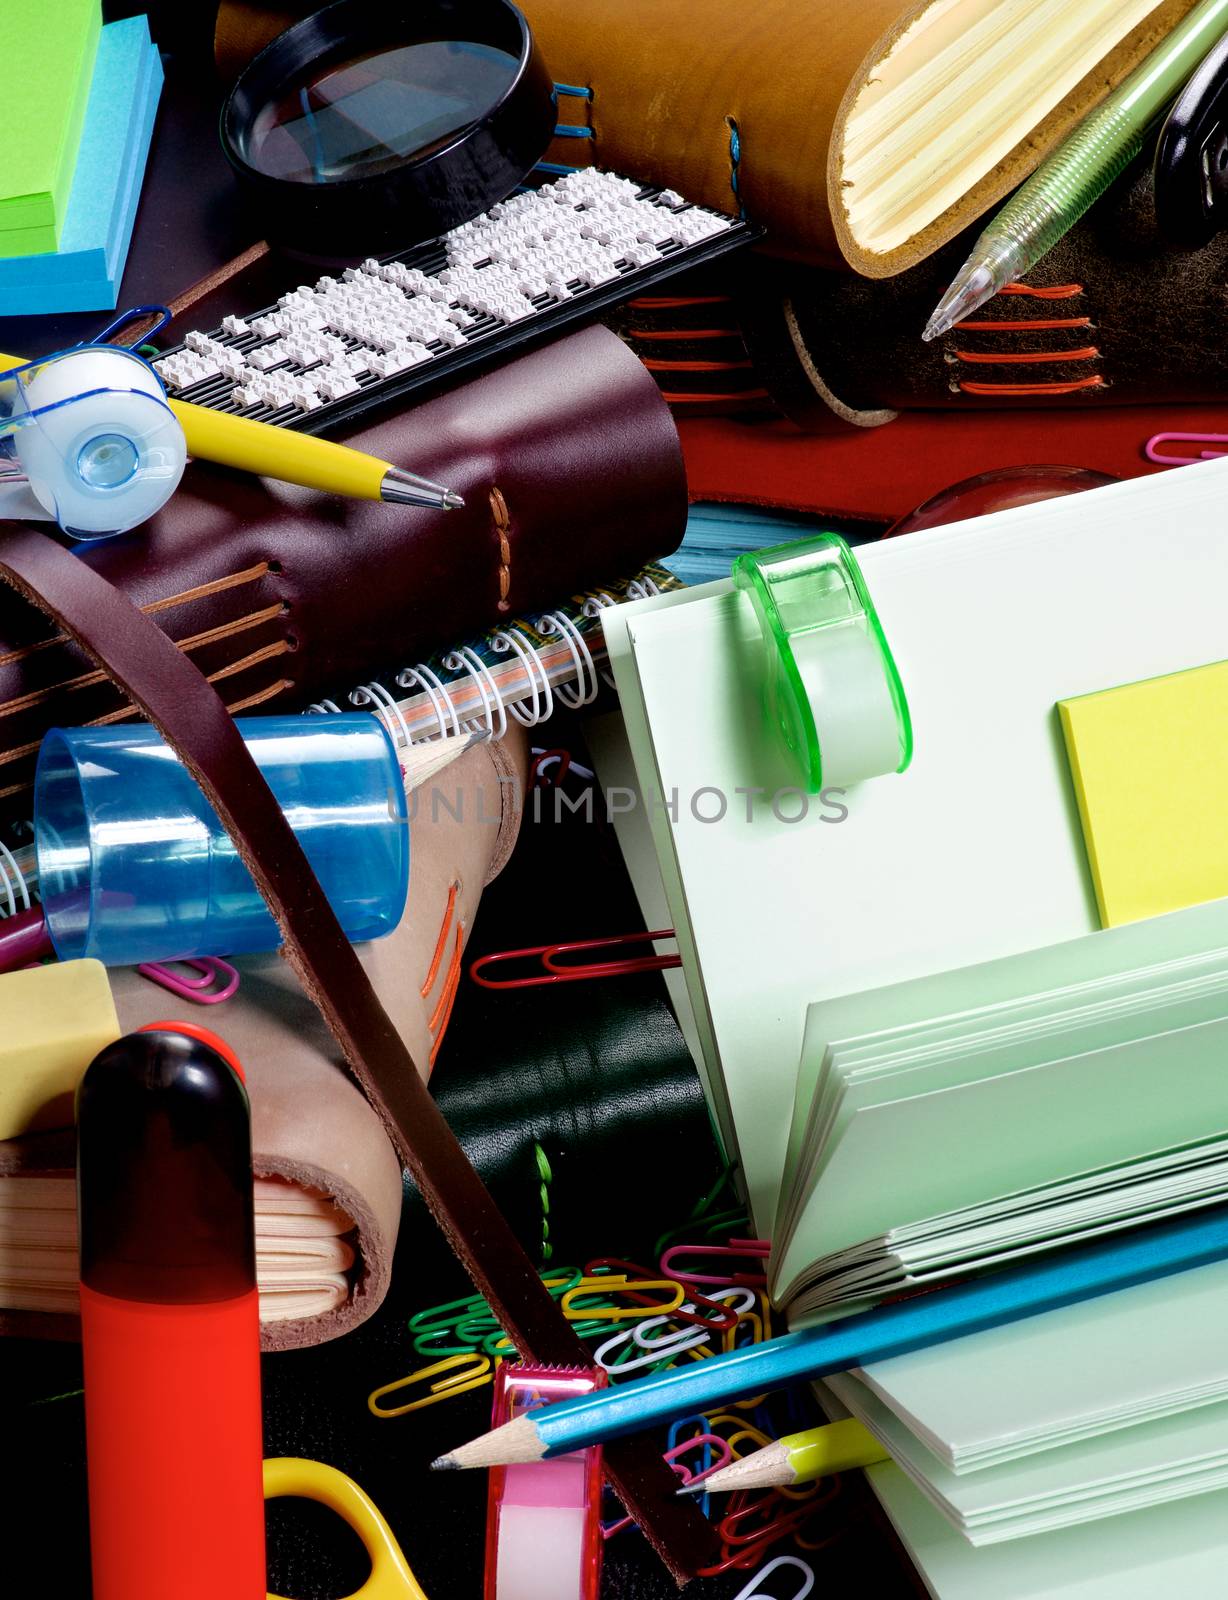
{"x": 833, "y": 692}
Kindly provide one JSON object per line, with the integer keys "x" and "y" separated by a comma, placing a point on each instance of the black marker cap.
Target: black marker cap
{"x": 164, "y": 1171}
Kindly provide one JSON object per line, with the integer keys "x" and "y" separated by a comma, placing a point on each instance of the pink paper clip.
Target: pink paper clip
{"x": 218, "y": 980}
{"x": 724, "y": 1455}
{"x": 1153, "y": 454}
{"x": 745, "y": 1249}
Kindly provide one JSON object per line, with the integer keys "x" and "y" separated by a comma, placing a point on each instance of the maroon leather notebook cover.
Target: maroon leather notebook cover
{"x": 569, "y": 463}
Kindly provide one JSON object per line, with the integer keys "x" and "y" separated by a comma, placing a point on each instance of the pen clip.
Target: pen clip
{"x": 127, "y": 318}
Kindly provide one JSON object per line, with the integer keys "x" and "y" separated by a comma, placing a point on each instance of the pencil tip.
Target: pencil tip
{"x": 691, "y": 1488}
{"x": 453, "y": 501}
{"x": 445, "y": 1464}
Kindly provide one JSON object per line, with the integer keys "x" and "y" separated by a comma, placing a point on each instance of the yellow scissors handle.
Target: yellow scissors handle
{"x": 390, "y": 1577}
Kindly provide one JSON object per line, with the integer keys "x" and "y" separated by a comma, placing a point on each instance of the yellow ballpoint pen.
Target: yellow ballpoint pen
{"x": 798, "y": 1458}
{"x": 297, "y": 457}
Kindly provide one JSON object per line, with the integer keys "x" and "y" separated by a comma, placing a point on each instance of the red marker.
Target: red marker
{"x": 170, "y": 1320}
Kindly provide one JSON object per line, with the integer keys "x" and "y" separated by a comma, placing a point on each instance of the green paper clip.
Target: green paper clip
{"x": 832, "y": 689}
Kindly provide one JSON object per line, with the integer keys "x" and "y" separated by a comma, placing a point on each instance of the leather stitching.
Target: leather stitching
{"x": 89, "y": 679}
{"x": 441, "y": 943}
{"x": 201, "y": 592}
{"x": 503, "y": 523}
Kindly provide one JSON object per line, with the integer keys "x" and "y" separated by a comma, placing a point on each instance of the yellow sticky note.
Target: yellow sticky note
{"x": 1150, "y": 768}
{"x": 53, "y": 1022}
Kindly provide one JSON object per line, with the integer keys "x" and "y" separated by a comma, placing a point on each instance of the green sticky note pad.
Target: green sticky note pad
{"x": 1150, "y": 767}
{"x": 46, "y": 63}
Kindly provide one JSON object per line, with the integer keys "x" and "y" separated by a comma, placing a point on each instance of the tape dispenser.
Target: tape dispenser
{"x": 87, "y": 438}
{"x": 833, "y": 694}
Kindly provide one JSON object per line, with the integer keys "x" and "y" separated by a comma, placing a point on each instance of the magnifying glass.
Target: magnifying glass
{"x": 369, "y": 126}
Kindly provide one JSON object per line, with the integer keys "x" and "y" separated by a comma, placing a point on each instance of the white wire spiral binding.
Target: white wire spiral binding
{"x": 642, "y": 589}
{"x": 531, "y": 662}
{"x": 496, "y": 706}
{"x": 441, "y": 701}
{"x": 374, "y": 694}
{"x": 323, "y": 706}
{"x": 11, "y": 875}
{"x": 601, "y": 602}
{"x": 480, "y": 673}
{"x": 559, "y": 622}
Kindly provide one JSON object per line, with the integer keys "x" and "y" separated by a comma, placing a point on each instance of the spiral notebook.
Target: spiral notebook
{"x": 522, "y": 671}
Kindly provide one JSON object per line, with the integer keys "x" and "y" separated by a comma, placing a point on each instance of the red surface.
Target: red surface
{"x": 879, "y": 474}
{"x": 173, "y": 1443}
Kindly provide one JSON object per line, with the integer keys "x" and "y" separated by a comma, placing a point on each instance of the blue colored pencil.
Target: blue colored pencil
{"x": 892, "y": 1330}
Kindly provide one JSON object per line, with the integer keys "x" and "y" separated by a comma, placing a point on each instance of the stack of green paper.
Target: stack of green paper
{"x": 951, "y": 1123}
{"x": 46, "y": 65}
{"x": 1039, "y": 1431}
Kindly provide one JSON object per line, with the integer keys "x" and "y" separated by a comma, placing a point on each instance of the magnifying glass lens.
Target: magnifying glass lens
{"x": 370, "y": 113}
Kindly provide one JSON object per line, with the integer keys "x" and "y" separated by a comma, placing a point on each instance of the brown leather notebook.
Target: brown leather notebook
{"x": 872, "y": 130}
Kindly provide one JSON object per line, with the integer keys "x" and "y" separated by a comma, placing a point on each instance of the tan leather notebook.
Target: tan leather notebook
{"x": 328, "y": 1182}
{"x": 869, "y": 129}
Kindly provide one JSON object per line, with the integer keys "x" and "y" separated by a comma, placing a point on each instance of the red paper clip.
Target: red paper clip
{"x": 556, "y": 971}
{"x": 747, "y": 1249}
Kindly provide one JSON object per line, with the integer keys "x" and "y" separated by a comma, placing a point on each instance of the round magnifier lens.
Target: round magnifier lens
{"x": 369, "y": 115}
{"x": 369, "y": 126}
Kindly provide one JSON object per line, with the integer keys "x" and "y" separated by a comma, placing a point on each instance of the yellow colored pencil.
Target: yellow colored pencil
{"x": 798, "y": 1458}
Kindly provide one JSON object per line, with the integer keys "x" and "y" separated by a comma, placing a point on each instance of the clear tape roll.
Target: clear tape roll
{"x": 99, "y": 446}
{"x": 850, "y": 697}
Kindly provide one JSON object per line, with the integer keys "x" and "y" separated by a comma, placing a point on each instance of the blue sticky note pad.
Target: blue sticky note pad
{"x": 84, "y": 274}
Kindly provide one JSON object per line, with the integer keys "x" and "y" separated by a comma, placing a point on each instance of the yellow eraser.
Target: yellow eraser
{"x": 1150, "y": 767}
{"x": 53, "y": 1022}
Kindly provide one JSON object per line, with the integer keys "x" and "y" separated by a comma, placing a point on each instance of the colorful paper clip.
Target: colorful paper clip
{"x": 754, "y": 1590}
{"x": 1153, "y": 453}
{"x": 218, "y": 980}
{"x": 480, "y": 1371}
{"x": 745, "y": 1249}
{"x": 710, "y": 1464}
{"x": 552, "y": 970}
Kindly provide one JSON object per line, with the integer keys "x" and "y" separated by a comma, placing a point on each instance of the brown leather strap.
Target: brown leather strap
{"x": 165, "y": 686}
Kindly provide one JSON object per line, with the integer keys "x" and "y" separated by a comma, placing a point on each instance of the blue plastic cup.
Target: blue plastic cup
{"x": 135, "y": 866}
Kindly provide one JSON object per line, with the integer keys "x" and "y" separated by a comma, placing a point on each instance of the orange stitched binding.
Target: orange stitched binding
{"x": 201, "y": 592}
{"x": 1088, "y": 352}
{"x": 440, "y": 943}
{"x": 1033, "y": 325}
{"x": 686, "y": 333}
{"x": 1095, "y": 382}
{"x": 89, "y": 680}
{"x": 674, "y": 302}
{"x": 702, "y": 399}
{"x": 503, "y": 522}
{"x": 1056, "y": 291}
{"x": 693, "y": 366}
{"x": 443, "y": 1007}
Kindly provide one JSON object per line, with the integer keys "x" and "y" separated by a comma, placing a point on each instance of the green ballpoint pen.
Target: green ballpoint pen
{"x": 1069, "y": 181}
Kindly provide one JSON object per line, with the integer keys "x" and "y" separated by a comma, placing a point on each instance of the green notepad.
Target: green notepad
{"x": 46, "y": 64}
